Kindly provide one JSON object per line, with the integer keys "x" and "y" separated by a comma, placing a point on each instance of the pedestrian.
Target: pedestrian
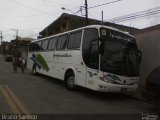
{"x": 23, "y": 62}
{"x": 14, "y": 63}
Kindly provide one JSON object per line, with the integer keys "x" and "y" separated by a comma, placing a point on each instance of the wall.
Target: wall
{"x": 149, "y": 43}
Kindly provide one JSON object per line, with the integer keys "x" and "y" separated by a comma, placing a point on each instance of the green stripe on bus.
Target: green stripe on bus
{"x": 42, "y": 62}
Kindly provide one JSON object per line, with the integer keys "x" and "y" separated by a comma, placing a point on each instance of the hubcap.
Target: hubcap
{"x": 71, "y": 82}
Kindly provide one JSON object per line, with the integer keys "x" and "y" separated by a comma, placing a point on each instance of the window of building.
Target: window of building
{"x": 74, "y": 40}
{"x": 64, "y": 25}
{"x": 62, "y": 42}
{"x": 52, "y": 43}
{"x": 45, "y": 44}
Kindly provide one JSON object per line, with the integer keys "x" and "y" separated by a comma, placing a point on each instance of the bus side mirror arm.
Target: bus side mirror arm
{"x": 140, "y": 55}
{"x": 101, "y": 46}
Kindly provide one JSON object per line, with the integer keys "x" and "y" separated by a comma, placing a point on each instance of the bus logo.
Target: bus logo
{"x": 40, "y": 62}
{"x": 110, "y": 77}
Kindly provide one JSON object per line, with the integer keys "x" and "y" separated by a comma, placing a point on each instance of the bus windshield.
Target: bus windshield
{"x": 120, "y": 55}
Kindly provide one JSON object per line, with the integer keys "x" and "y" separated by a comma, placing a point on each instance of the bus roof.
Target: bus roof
{"x": 89, "y": 26}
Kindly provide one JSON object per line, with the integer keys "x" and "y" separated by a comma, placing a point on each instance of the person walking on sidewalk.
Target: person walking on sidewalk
{"x": 14, "y": 63}
{"x": 23, "y": 62}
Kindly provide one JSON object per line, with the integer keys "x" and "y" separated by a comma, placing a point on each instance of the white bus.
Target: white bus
{"x": 97, "y": 57}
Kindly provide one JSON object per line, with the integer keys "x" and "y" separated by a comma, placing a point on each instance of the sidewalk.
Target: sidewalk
{"x": 138, "y": 95}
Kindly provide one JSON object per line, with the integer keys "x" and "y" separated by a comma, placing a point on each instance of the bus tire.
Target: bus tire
{"x": 70, "y": 81}
{"x": 158, "y": 105}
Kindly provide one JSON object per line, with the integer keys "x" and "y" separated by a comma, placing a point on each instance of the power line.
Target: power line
{"x": 104, "y": 4}
{"x": 39, "y": 10}
{"x": 48, "y": 1}
{"x": 143, "y": 14}
{"x": 90, "y": 7}
{"x": 83, "y": 7}
{"x": 27, "y": 16}
{"x": 86, "y": 7}
{"x": 137, "y": 15}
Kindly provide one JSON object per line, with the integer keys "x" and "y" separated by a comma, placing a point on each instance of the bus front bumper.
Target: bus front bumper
{"x": 109, "y": 87}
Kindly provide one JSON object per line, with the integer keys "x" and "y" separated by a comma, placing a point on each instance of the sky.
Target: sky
{"x": 29, "y": 17}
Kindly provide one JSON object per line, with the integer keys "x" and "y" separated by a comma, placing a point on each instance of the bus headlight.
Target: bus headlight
{"x": 105, "y": 80}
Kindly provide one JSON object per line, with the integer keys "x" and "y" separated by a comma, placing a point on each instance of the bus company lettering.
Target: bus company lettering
{"x": 63, "y": 55}
{"x": 119, "y": 37}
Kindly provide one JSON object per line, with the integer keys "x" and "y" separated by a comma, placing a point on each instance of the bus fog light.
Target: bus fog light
{"x": 102, "y": 87}
{"x": 136, "y": 83}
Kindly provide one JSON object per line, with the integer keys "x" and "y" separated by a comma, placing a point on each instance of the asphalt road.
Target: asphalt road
{"x": 25, "y": 93}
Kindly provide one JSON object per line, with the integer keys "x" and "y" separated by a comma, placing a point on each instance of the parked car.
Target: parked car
{"x": 152, "y": 91}
{"x": 8, "y": 58}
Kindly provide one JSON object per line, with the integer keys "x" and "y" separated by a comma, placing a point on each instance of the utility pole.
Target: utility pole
{"x": 16, "y": 32}
{"x": 86, "y": 9}
{"x": 1, "y": 36}
{"x": 102, "y": 17}
{"x": 15, "y": 51}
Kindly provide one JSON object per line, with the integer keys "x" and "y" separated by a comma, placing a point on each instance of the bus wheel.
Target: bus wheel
{"x": 70, "y": 82}
{"x": 158, "y": 105}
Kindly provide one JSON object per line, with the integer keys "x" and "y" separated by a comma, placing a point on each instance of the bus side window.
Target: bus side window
{"x": 52, "y": 43}
{"x": 38, "y": 46}
{"x": 62, "y": 42}
{"x": 74, "y": 40}
{"x": 90, "y": 48}
{"x": 33, "y": 46}
{"x": 45, "y": 45}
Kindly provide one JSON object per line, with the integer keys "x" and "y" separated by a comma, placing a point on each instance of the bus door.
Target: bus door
{"x": 93, "y": 65}
{"x": 90, "y": 53}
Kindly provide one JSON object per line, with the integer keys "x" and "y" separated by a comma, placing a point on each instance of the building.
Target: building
{"x": 6, "y": 47}
{"x": 148, "y": 41}
{"x": 68, "y": 22}
{"x": 20, "y": 47}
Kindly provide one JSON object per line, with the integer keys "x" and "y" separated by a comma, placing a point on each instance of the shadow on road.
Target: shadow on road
{"x": 87, "y": 92}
